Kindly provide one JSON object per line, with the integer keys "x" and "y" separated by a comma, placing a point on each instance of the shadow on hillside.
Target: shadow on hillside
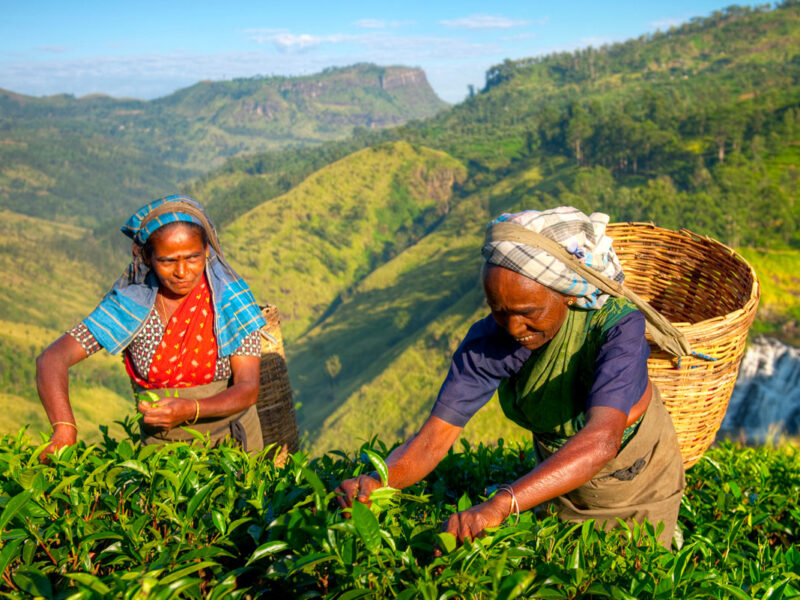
{"x": 373, "y": 327}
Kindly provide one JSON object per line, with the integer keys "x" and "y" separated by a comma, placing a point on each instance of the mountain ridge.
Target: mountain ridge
{"x": 61, "y": 156}
{"x": 701, "y": 151}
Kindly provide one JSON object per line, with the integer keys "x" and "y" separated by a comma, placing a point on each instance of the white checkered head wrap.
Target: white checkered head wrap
{"x": 580, "y": 235}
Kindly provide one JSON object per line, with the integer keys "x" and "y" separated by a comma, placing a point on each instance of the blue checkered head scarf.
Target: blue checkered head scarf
{"x": 124, "y": 308}
{"x": 170, "y": 209}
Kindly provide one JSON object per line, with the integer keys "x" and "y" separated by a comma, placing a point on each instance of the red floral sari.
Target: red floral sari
{"x": 187, "y": 354}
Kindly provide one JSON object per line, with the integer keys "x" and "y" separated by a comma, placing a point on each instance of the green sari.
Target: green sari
{"x": 548, "y": 395}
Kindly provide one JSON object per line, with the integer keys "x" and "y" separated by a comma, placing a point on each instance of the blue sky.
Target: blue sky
{"x": 148, "y": 49}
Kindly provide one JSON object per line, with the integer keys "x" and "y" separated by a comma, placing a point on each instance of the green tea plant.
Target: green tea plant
{"x": 122, "y": 520}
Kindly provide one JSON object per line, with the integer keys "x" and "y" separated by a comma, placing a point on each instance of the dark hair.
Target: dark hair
{"x": 147, "y": 249}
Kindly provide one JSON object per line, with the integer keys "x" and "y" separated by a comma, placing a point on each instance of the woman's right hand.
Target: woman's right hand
{"x": 358, "y": 488}
{"x": 167, "y": 413}
{"x": 63, "y": 436}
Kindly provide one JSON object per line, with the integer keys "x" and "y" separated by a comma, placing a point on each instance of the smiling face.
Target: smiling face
{"x": 178, "y": 258}
{"x": 530, "y": 312}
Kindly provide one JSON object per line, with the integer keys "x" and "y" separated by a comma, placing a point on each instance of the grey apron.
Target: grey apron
{"x": 644, "y": 481}
{"x": 244, "y": 427}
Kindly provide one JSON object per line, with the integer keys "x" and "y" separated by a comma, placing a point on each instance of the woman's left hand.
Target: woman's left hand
{"x": 167, "y": 413}
{"x": 470, "y": 523}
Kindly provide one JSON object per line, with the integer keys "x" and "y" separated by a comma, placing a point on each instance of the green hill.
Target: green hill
{"x": 712, "y": 146}
{"x": 370, "y": 246}
{"x": 99, "y": 387}
{"x": 94, "y": 159}
{"x": 53, "y": 276}
{"x": 305, "y": 250}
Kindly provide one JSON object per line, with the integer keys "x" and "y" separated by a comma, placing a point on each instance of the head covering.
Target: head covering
{"x": 170, "y": 209}
{"x": 582, "y": 236}
{"x": 123, "y": 310}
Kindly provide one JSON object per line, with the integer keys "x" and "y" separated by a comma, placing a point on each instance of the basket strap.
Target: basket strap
{"x": 664, "y": 333}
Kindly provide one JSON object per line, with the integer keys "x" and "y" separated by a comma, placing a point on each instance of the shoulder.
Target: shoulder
{"x": 613, "y": 311}
{"x": 486, "y": 338}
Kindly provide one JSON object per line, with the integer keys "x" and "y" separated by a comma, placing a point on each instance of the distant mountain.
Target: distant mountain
{"x": 91, "y": 159}
{"x": 698, "y": 127}
{"x": 370, "y": 246}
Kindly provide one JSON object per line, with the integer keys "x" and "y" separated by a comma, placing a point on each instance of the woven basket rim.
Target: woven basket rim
{"x": 755, "y": 289}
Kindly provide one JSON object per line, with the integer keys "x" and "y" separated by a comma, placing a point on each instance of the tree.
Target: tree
{"x": 333, "y": 366}
{"x": 579, "y": 129}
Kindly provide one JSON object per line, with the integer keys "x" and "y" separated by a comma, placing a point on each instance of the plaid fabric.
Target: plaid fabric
{"x": 581, "y": 235}
{"x": 123, "y": 310}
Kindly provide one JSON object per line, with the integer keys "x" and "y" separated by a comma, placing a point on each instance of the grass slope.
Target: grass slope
{"x": 99, "y": 388}
{"x": 396, "y": 332}
{"x": 53, "y": 273}
{"x": 779, "y": 310}
{"x": 302, "y": 251}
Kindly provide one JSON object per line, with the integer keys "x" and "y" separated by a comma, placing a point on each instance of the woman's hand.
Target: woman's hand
{"x": 358, "y": 488}
{"x": 63, "y": 435}
{"x": 167, "y": 413}
{"x": 470, "y": 523}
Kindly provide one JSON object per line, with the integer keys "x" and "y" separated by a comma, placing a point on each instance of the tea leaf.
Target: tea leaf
{"x": 379, "y": 464}
{"x": 14, "y": 506}
{"x": 367, "y": 526}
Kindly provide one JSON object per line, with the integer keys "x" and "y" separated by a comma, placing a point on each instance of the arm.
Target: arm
{"x": 172, "y": 412}
{"x": 620, "y": 394}
{"x": 52, "y": 383}
{"x": 575, "y": 463}
{"x": 407, "y": 464}
{"x": 484, "y": 357}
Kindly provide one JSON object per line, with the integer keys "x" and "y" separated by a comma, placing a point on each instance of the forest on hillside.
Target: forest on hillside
{"x": 694, "y": 128}
{"x": 697, "y": 127}
{"x": 92, "y": 160}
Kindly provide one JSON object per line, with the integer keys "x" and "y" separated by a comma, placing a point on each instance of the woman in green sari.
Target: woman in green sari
{"x": 568, "y": 363}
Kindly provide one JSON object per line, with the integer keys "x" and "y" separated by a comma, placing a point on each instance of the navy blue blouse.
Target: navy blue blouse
{"x": 489, "y": 354}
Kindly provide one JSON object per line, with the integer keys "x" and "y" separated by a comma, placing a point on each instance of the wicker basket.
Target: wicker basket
{"x": 275, "y": 405}
{"x": 711, "y": 294}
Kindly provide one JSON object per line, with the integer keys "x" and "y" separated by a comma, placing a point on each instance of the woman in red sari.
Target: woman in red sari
{"x": 188, "y": 327}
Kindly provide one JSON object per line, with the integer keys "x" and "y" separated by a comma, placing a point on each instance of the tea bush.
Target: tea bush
{"x": 118, "y": 519}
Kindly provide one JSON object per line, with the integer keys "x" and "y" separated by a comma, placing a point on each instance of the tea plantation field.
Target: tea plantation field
{"x": 118, "y": 520}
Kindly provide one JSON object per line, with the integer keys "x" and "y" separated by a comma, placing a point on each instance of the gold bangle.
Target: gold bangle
{"x": 196, "y": 411}
{"x": 514, "y": 504}
{"x": 53, "y": 425}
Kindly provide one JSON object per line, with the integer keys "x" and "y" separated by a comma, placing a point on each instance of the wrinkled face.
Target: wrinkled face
{"x": 530, "y": 312}
{"x": 178, "y": 259}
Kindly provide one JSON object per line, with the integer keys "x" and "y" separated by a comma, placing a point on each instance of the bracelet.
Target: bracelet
{"x": 514, "y": 504}
{"x": 196, "y": 411}
{"x": 53, "y": 425}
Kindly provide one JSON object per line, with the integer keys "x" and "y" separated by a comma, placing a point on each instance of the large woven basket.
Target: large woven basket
{"x": 711, "y": 294}
{"x": 275, "y": 405}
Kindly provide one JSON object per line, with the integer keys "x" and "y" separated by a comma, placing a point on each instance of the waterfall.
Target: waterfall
{"x": 766, "y": 399}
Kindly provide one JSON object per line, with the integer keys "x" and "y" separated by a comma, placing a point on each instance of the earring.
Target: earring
{"x": 571, "y": 301}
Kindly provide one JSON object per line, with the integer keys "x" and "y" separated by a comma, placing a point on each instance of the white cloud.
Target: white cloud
{"x": 149, "y": 76}
{"x": 286, "y": 41}
{"x": 290, "y": 41}
{"x": 371, "y": 23}
{"x": 665, "y": 23}
{"x": 375, "y": 46}
{"x": 483, "y": 22}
